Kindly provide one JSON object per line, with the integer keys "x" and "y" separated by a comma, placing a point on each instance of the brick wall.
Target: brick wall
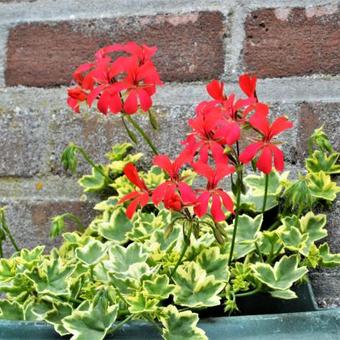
{"x": 293, "y": 46}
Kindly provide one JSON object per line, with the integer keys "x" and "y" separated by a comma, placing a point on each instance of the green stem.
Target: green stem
{"x": 265, "y": 193}
{"x": 6, "y": 229}
{"x": 119, "y": 325}
{"x": 1, "y": 252}
{"x": 186, "y": 245}
{"x": 256, "y": 290}
{"x": 149, "y": 318}
{"x": 259, "y": 251}
{"x": 75, "y": 219}
{"x": 274, "y": 225}
{"x": 90, "y": 161}
{"x": 119, "y": 294}
{"x": 238, "y": 201}
{"x": 142, "y": 133}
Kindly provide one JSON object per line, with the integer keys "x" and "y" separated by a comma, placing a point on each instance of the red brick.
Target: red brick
{"x": 312, "y": 116}
{"x": 190, "y": 46}
{"x": 293, "y": 42}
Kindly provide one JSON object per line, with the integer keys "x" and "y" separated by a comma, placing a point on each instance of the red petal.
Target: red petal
{"x": 130, "y": 105}
{"x": 187, "y": 194}
{"x": 204, "y": 170}
{"x": 94, "y": 94}
{"x": 204, "y": 153}
{"x": 103, "y": 102}
{"x": 202, "y": 204}
{"x": 144, "y": 99}
{"x": 115, "y": 103}
{"x": 131, "y": 173}
{"x": 131, "y": 209}
{"x": 249, "y": 152}
{"x": 229, "y": 133}
{"x": 223, "y": 170}
{"x": 218, "y": 153}
{"x": 163, "y": 162}
{"x": 264, "y": 163}
{"x": 279, "y": 125}
{"x": 247, "y": 84}
{"x": 215, "y": 89}
{"x": 73, "y": 104}
{"x": 143, "y": 199}
{"x": 158, "y": 194}
{"x": 227, "y": 201}
{"x": 216, "y": 209}
{"x": 278, "y": 158}
{"x": 128, "y": 197}
{"x": 260, "y": 123}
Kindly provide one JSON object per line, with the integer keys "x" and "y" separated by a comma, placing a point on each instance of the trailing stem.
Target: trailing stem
{"x": 7, "y": 231}
{"x": 185, "y": 247}
{"x": 265, "y": 193}
{"x": 237, "y": 213}
{"x": 142, "y": 133}
{"x": 120, "y": 325}
{"x": 90, "y": 161}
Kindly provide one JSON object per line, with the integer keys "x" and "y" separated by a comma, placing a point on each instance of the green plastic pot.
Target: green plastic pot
{"x": 287, "y": 320}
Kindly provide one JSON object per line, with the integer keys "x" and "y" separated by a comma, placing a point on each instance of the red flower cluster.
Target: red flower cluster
{"x": 211, "y": 149}
{"x": 123, "y": 84}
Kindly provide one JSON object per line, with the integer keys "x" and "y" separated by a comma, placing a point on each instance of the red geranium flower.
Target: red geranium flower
{"x": 125, "y": 83}
{"x": 76, "y": 95}
{"x": 140, "y": 82}
{"x": 217, "y": 196}
{"x": 174, "y": 193}
{"x": 248, "y": 85}
{"x": 204, "y": 137}
{"x": 137, "y": 198}
{"x": 266, "y": 148}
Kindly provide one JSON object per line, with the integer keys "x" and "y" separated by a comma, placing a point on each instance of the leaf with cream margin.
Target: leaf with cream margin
{"x": 282, "y": 276}
{"x": 180, "y": 325}
{"x": 194, "y": 288}
{"x": 92, "y": 323}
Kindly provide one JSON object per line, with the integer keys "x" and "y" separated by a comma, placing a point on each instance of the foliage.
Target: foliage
{"x": 163, "y": 246}
{"x": 119, "y": 269}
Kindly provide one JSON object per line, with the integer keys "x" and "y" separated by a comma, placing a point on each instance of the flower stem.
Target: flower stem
{"x": 179, "y": 261}
{"x": 237, "y": 213}
{"x": 259, "y": 251}
{"x": 120, "y": 325}
{"x": 76, "y": 220}
{"x": 265, "y": 193}
{"x": 142, "y": 133}
{"x": 90, "y": 161}
{"x": 252, "y": 292}
{"x": 7, "y": 231}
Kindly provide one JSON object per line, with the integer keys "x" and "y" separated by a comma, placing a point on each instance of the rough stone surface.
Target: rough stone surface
{"x": 37, "y": 131}
{"x": 314, "y": 115}
{"x": 23, "y": 142}
{"x": 30, "y": 221}
{"x": 45, "y": 54}
{"x": 286, "y": 42}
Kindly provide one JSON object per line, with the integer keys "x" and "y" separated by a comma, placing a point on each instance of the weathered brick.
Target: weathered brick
{"x": 190, "y": 46}
{"x": 22, "y": 141}
{"x": 314, "y": 115}
{"x": 292, "y": 42}
{"x": 97, "y": 134}
{"x": 30, "y": 221}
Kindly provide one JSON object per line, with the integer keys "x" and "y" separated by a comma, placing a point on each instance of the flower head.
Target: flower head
{"x": 217, "y": 196}
{"x": 267, "y": 150}
{"x": 124, "y": 84}
{"x": 138, "y": 197}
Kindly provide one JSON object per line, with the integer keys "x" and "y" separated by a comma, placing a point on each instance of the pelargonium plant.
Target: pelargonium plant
{"x": 210, "y": 227}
